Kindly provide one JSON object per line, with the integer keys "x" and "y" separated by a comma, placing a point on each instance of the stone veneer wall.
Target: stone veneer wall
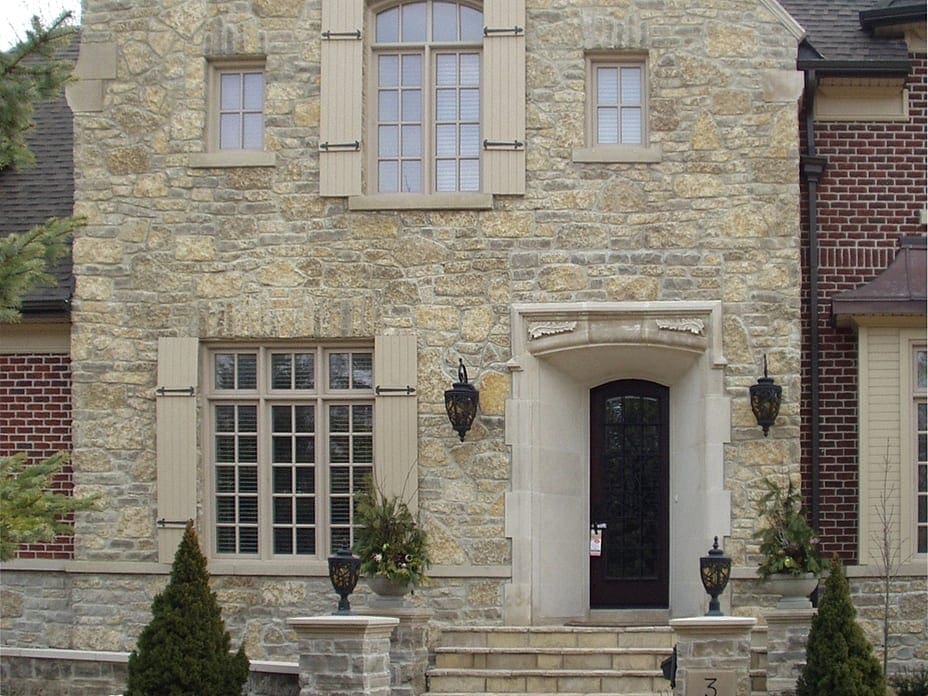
{"x": 234, "y": 253}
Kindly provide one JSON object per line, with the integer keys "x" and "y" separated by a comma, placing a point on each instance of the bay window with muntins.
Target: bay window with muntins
{"x": 291, "y": 442}
{"x": 426, "y": 61}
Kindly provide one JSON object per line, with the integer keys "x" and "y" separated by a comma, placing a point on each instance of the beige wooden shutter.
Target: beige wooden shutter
{"x": 340, "y": 98}
{"x": 176, "y": 433}
{"x": 504, "y": 96}
{"x": 396, "y": 461}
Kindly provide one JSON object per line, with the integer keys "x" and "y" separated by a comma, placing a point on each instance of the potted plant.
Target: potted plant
{"x": 791, "y": 562}
{"x": 390, "y": 543}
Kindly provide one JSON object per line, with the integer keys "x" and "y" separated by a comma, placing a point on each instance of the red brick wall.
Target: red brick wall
{"x": 870, "y": 194}
{"x": 35, "y": 418}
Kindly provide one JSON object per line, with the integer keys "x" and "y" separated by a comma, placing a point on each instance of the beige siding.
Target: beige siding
{"x": 880, "y": 427}
{"x": 395, "y": 440}
{"x": 504, "y": 97}
{"x": 176, "y": 434}
{"x": 340, "y": 97}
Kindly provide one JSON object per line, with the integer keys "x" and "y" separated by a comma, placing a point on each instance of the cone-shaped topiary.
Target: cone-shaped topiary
{"x": 839, "y": 660}
{"x": 184, "y": 650}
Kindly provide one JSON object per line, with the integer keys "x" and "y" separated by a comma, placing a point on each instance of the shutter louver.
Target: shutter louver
{"x": 340, "y": 94}
{"x": 504, "y": 100}
{"x": 395, "y": 417}
{"x": 176, "y": 444}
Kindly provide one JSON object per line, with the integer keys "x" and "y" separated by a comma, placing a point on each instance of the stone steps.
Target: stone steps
{"x": 551, "y": 659}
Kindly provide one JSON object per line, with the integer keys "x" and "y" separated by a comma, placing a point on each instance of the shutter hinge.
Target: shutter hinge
{"x": 173, "y": 523}
{"x": 492, "y": 31}
{"x": 328, "y": 35}
{"x": 503, "y": 144}
{"x": 351, "y": 145}
{"x": 175, "y": 391}
{"x": 395, "y": 390}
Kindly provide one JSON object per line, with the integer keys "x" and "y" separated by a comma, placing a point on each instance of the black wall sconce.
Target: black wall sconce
{"x": 765, "y": 400}
{"x": 714, "y": 571}
{"x": 344, "y": 571}
{"x": 461, "y": 402}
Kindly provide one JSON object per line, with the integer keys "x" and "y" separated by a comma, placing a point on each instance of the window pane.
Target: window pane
{"x": 446, "y": 69}
{"x": 225, "y": 509}
{"x": 921, "y": 369}
{"x": 470, "y": 69}
{"x": 363, "y": 449}
{"x": 281, "y": 419}
{"x": 412, "y": 105}
{"x": 470, "y": 141}
{"x": 254, "y": 92}
{"x": 388, "y": 141}
{"x": 339, "y": 452}
{"x": 248, "y": 540}
{"x": 305, "y": 541}
{"x": 388, "y": 108}
{"x": 388, "y": 26}
{"x": 444, "y": 21}
{"x": 225, "y": 540}
{"x": 446, "y": 104}
{"x": 248, "y": 449}
{"x": 388, "y": 177}
{"x": 631, "y": 85}
{"x": 229, "y": 131}
{"x": 339, "y": 479}
{"x": 412, "y": 176}
{"x": 282, "y": 450}
{"x": 607, "y": 86}
{"x": 305, "y": 510}
{"x": 283, "y": 479}
{"x": 338, "y": 419}
{"x": 470, "y": 175}
{"x": 412, "y": 70}
{"x": 446, "y": 140}
{"x": 283, "y": 510}
{"x": 304, "y": 374}
{"x": 446, "y": 175}
{"x": 281, "y": 373}
{"x": 340, "y": 539}
{"x": 362, "y": 370}
{"x": 305, "y": 480}
{"x": 248, "y": 419}
{"x": 248, "y": 479}
{"x": 470, "y": 105}
{"x": 471, "y": 24}
{"x": 283, "y": 541}
{"x": 304, "y": 419}
{"x": 230, "y": 91}
{"x": 414, "y": 22}
{"x": 338, "y": 370}
{"x": 248, "y": 510}
{"x": 412, "y": 141}
{"x": 339, "y": 511}
{"x": 362, "y": 418}
{"x": 607, "y": 131}
{"x": 247, "y": 371}
{"x": 253, "y": 131}
{"x": 225, "y": 479}
{"x": 224, "y": 364}
{"x": 388, "y": 71}
{"x": 631, "y": 126}
{"x": 225, "y": 419}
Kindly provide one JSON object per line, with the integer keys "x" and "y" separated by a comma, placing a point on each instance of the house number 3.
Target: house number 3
{"x": 710, "y": 683}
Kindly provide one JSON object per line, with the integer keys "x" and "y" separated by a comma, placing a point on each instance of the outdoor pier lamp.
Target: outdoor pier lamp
{"x": 714, "y": 571}
{"x": 344, "y": 570}
{"x": 765, "y": 400}
{"x": 461, "y": 402}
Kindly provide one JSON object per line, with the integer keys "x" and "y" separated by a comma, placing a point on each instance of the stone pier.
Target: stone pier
{"x": 713, "y": 655}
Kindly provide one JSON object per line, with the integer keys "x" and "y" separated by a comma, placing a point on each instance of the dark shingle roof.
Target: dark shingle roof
{"x": 835, "y": 34}
{"x": 30, "y": 196}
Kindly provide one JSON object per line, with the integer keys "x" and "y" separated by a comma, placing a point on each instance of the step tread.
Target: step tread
{"x": 539, "y": 672}
{"x": 556, "y": 629}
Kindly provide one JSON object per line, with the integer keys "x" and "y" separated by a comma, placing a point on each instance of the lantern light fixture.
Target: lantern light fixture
{"x": 344, "y": 571}
{"x": 714, "y": 571}
{"x": 461, "y": 402}
{"x": 765, "y": 400}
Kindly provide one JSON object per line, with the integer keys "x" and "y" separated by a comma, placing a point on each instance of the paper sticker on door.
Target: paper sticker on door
{"x": 596, "y": 540}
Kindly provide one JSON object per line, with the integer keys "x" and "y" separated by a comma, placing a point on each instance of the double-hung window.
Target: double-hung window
{"x": 920, "y": 403}
{"x": 426, "y": 62}
{"x": 291, "y": 439}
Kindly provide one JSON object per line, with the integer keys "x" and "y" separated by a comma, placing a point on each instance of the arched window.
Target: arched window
{"x": 426, "y": 59}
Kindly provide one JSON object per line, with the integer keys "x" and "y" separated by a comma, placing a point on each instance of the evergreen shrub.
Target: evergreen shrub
{"x": 184, "y": 650}
{"x": 839, "y": 660}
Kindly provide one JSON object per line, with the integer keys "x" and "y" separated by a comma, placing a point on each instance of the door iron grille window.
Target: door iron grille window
{"x": 291, "y": 443}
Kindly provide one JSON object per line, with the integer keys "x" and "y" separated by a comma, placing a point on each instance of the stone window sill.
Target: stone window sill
{"x": 421, "y": 201}
{"x": 618, "y": 153}
{"x": 233, "y": 158}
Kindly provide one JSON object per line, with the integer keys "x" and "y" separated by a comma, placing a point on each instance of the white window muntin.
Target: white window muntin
{"x": 920, "y": 430}
{"x": 269, "y": 451}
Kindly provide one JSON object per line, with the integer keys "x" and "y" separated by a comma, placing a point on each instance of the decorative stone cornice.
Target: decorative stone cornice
{"x": 550, "y": 329}
{"x": 694, "y": 326}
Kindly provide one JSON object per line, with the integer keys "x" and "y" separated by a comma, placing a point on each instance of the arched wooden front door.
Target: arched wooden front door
{"x": 629, "y": 494}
